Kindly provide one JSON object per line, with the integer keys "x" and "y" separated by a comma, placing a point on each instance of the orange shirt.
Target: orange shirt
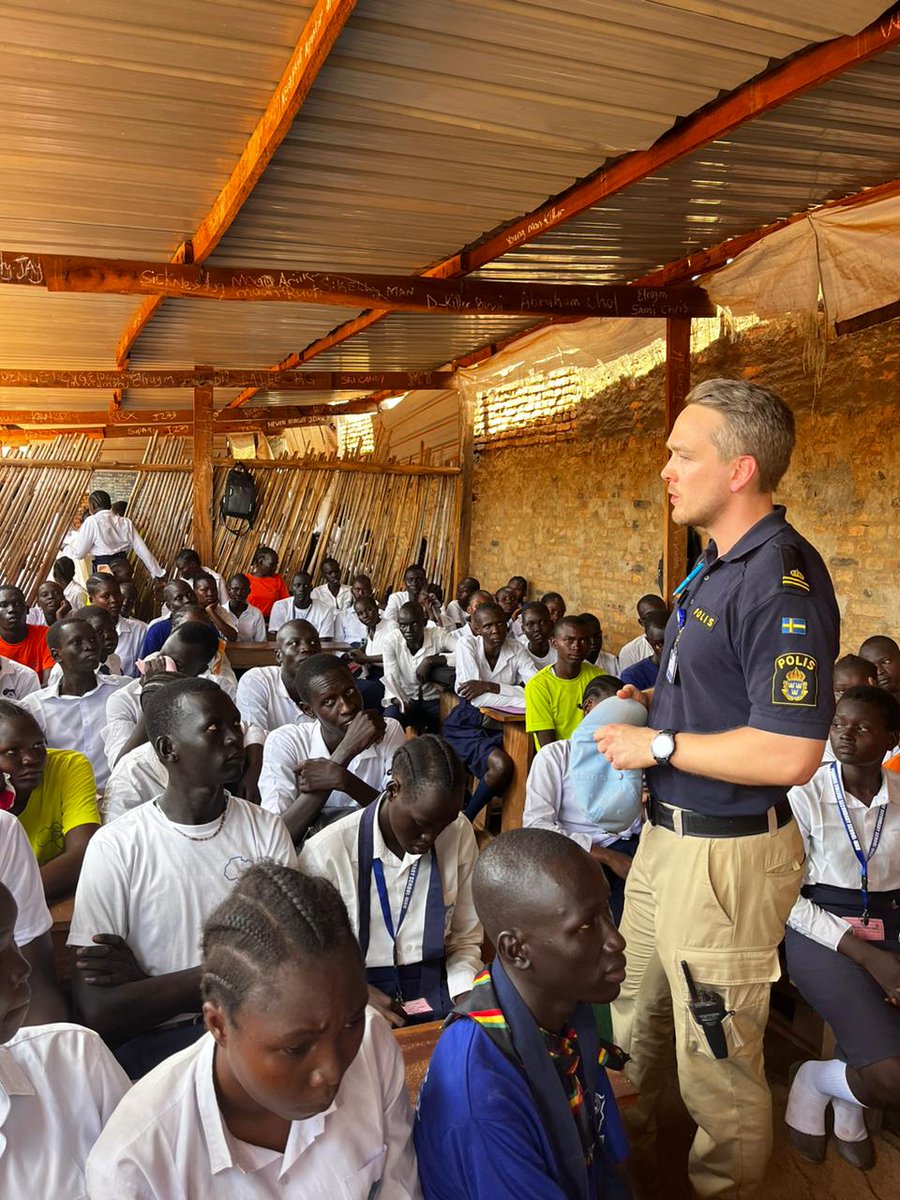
{"x": 893, "y": 764}
{"x": 265, "y": 590}
{"x": 32, "y": 651}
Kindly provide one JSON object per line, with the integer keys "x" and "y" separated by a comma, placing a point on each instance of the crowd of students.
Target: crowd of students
{"x": 269, "y": 872}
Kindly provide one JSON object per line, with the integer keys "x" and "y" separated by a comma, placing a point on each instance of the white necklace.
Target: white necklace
{"x": 206, "y": 837}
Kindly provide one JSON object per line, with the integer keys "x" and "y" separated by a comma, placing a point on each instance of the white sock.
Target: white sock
{"x": 849, "y": 1122}
{"x": 814, "y": 1086}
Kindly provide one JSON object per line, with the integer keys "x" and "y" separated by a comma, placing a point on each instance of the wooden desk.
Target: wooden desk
{"x": 242, "y": 655}
{"x": 519, "y": 745}
{"x": 61, "y": 912}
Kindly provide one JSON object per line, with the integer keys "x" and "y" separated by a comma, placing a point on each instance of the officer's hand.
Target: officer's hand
{"x": 627, "y": 747}
{"x": 630, "y": 692}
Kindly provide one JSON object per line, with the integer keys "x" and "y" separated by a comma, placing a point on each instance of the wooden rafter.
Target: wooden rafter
{"x": 320, "y": 32}
{"x": 808, "y": 69}
{"x": 293, "y": 381}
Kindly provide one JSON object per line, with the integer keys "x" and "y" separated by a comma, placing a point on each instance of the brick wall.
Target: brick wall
{"x": 579, "y": 508}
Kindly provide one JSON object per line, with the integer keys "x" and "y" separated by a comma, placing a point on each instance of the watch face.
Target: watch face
{"x": 663, "y": 746}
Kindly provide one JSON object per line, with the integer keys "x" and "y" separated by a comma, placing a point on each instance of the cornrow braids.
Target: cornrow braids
{"x": 430, "y": 760}
{"x": 274, "y": 913}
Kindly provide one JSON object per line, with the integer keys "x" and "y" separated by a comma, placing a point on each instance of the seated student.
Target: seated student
{"x": 491, "y": 669}
{"x": 295, "y": 1090}
{"x": 218, "y": 668}
{"x": 554, "y": 801}
{"x": 188, "y": 567}
{"x": 415, "y": 579}
{"x": 516, "y": 1101}
{"x": 556, "y": 606}
{"x": 842, "y": 944}
{"x": 251, "y": 624}
{"x": 478, "y": 597}
{"x": 642, "y": 675}
{"x": 44, "y": 1136}
{"x": 536, "y": 632}
{"x": 16, "y": 681}
{"x": 508, "y": 600}
{"x": 849, "y": 671}
{"x": 456, "y": 609}
{"x": 50, "y": 604}
{"x": 177, "y": 594}
{"x": 207, "y": 592}
{"x": 267, "y": 696}
{"x": 884, "y": 655}
{"x": 105, "y": 592}
{"x": 140, "y": 776}
{"x": 639, "y": 648}
{"x": 20, "y": 873}
{"x": 129, "y": 598}
{"x": 553, "y": 697}
{"x": 332, "y": 593}
{"x": 348, "y": 627}
{"x": 71, "y": 711}
{"x": 410, "y": 653}
{"x": 300, "y": 606}
{"x": 323, "y": 769}
{"x": 266, "y": 585}
{"x": 151, "y": 878}
{"x": 63, "y": 571}
{"x": 596, "y": 654}
{"x": 107, "y": 639}
{"x": 55, "y": 799}
{"x": 519, "y": 585}
{"x": 19, "y": 641}
{"x": 407, "y": 860}
{"x": 370, "y": 656}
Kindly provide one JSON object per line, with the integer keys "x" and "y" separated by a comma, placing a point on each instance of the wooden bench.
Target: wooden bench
{"x": 243, "y": 655}
{"x": 61, "y": 912}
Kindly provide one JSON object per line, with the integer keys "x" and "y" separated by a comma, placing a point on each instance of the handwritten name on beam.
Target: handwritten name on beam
{"x": 390, "y": 293}
{"x": 272, "y": 381}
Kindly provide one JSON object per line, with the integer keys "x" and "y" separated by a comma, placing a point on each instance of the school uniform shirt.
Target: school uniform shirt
{"x": 552, "y": 703}
{"x": 16, "y": 680}
{"x": 112, "y": 665}
{"x": 829, "y": 855}
{"x": 32, "y": 651}
{"x": 632, "y": 652}
{"x": 343, "y": 600}
{"x": 65, "y": 798}
{"x": 514, "y": 668}
{"x": 76, "y": 722}
{"x": 103, "y": 533}
{"x": 35, "y": 616}
{"x": 168, "y": 1137}
{"x": 76, "y": 595}
{"x": 139, "y": 776}
{"x": 131, "y": 637}
{"x": 400, "y": 665}
{"x": 286, "y": 748}
{"x": 455, "y": 615}
{"x": 395, "y": 602}
{"x": 550, "y": 801}
{"x": 20, "y": 873}
{"x": 608, "y": 663}
{"x": 263, "y": 699}
{"x": 220, "y": 583}
{"x": 59, "y": 1085}
{"x": 319, "y": 615}
{"x": 349, "y": 628}
{"x": 251, "y": 624}
{"x": 154, "y": 882}
{"x": 546, "y": 660}
{"x": 642, "y": 675}
{"x": 334, "y": 855}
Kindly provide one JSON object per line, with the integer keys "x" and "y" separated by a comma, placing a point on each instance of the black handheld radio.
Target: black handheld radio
{"x": 709, "y": 1012}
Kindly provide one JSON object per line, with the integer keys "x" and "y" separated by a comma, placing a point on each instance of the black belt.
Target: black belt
{"x": 697, "y": 825}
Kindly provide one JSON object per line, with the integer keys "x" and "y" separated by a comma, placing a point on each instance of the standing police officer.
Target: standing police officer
{"x": 739, "y": 714}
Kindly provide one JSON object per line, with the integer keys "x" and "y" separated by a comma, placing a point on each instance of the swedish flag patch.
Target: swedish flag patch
{"x": 794, "y": 625}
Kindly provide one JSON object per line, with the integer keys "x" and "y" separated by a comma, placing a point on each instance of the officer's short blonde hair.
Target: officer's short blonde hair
{"x": 756, "y": 421}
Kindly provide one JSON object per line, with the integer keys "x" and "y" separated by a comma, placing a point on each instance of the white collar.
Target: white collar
{"x": 881, "y": 797}
{"x": 52, "y": 688}
{"x": 13, "y": 1080}
{"x": 380, "y": 848}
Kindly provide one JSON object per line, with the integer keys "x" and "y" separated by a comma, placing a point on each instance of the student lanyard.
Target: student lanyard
{"x": 863, "y": 859}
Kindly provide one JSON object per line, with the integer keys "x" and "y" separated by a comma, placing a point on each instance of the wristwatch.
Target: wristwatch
{"x": 663, "y": 746}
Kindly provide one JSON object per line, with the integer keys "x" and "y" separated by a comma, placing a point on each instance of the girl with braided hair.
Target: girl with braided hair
{"x": 403, "y": 866}
{"x": 296, "y": 1089}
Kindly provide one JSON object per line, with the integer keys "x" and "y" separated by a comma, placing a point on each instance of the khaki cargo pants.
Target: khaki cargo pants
{"x": 721, "y": 905}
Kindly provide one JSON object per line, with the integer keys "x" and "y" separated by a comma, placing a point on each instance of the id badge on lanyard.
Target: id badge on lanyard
{"x": 681, "y": 618}
{"x": 864, "y": 926}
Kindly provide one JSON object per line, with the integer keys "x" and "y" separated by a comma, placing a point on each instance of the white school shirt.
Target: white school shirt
{"x": 76, "y": 595}
{"x": 829, "y": 855}
{"x": 343, "y": 600}
{"x": 400, "y": 666}
{"x": 251, "y": 624}
{"x": 76, "y": 722}
{"x": 139, "y": 776}
{"x": 455, "y": 613}
{"x": 319, "y": 616}
{"x": 168, "y": 1139}
{"x": 548, "y": 659}
{"x": 607, "y": 663}
{"x": 35, "y": 616}
{"x": 334, "y": 855}
{"x": 286, "y": 748}
{"x": 632, "y": 652}
{"x": 113, "y": 663}
{"x": 550, "y": 801}
{"x": 349, "y": 628}
{"x": 395, "y": 602}
{"x": 131, "y": 637}
{"x": 16, "y": 680}
{"x": 59, "y": 1085}
{"x": 263, "y": 699}
{"x": 20, "y": 873}
{"x": 152, "y": 882}
{"x": 103, "y": 533}
{"x": 514, "y": 668}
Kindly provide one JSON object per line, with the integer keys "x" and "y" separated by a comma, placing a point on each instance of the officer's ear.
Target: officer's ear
{"x": 744, "y": 473}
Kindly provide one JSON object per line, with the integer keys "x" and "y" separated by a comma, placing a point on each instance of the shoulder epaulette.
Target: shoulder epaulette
{"x": 793, "y": 577}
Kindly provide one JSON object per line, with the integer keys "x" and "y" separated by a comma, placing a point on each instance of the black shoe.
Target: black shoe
{"x": 810, "y": 1146}
{"x": 857, "y": 1154}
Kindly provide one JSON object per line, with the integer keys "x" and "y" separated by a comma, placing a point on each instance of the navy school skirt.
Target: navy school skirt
{"x": 464, "y": 730}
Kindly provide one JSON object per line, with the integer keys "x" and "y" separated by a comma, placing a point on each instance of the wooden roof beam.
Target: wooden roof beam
{"x": 294, "y": 381}
{"x": 320, "y": 32}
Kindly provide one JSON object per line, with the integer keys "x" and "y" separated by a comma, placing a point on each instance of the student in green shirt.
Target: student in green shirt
{"x": 553, "y": 696}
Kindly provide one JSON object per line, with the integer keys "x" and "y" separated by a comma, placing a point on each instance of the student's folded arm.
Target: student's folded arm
{"x": 47, "y": 1001}
{"x": 60, "y": 875}
{"x": 127, "y": 1009}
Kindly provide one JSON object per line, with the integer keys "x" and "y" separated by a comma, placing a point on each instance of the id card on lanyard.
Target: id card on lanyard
{"x": 868, "y": 929}
{"x": 384, "y": 899}
{"x": 681, "y": 618}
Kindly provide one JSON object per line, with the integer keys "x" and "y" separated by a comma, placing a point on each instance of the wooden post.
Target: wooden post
{"x": 678, "y": 384}
{"x": 203, "y": 472}
{"x": 467, "y": 462}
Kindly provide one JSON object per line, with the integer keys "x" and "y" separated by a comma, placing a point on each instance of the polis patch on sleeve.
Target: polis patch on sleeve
{"x": 795, "y": 680}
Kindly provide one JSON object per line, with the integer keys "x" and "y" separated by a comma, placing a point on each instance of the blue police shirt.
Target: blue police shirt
{"x": 761, "y": 633}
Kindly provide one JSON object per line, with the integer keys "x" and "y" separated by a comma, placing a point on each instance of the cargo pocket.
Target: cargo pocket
{"x": 743, "y": 978}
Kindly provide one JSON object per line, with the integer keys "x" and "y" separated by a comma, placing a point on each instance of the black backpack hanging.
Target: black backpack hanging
{"x": 239, "y": 499}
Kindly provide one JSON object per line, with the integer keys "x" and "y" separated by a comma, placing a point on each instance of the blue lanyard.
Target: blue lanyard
{"x": 863, "y": 859}
{"x": 680, "y": 612}
{"x": 378, "y": 872}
